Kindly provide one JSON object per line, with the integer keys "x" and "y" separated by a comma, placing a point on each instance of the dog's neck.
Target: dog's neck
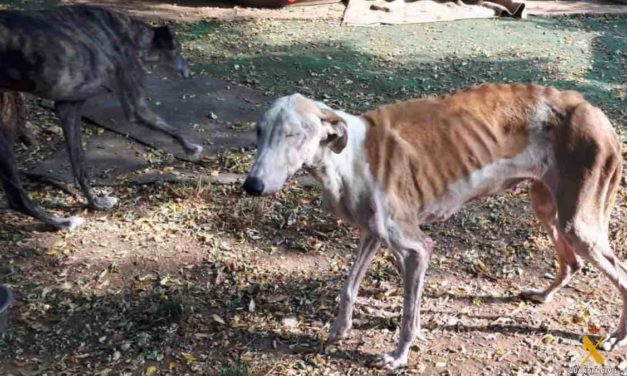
{"x": 345, "y": 177}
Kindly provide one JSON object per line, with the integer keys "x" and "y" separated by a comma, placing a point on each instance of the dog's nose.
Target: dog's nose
{"x": 253, "y": 186}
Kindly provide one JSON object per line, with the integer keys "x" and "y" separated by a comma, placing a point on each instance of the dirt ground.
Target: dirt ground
{"x": 194, "y": 10}
{"x": 195, "y": 279}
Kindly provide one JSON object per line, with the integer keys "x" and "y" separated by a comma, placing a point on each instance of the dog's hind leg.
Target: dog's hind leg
{"x": 590, "y": 165}
{"x": 589, "y": 239}
{"x": 544, "y": 206}
{"x": 133, "y": 100}
{"x": 368, "y": 246}
{"x": 16, "y": 195}
{"x": 69, "y": 114}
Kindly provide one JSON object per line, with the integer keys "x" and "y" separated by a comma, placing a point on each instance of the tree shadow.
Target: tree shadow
{"x": 341, "y": 74}
{"x": 203, "y": 308}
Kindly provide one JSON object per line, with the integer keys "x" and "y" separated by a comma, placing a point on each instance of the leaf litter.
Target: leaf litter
{"x": 186, "y": 278}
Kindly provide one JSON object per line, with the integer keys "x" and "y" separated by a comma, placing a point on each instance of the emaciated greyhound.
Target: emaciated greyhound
{"x": 393, "y": 169}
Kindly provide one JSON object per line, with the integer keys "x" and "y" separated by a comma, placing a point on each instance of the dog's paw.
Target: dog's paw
{"x": 537, "y": 296}
{"x": 391, "y": 360}
{"x": 74, "y": 222}
{"x": 339, "y": 330}
{"x": 104, "y": 202}
{"x": 194, "y": 149}
{"x": 614, "y": 341}
{"x": 70, "y": 223}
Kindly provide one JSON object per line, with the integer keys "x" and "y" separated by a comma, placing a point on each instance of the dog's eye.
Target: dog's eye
{"x": 290, "y": 135}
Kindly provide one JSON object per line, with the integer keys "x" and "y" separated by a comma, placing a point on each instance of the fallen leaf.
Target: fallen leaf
{"x": 218, "y": 319}
{"x": 188, "y": 357}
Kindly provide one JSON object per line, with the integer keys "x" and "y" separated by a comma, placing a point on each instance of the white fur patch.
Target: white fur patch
{"x": 347, "y": 181}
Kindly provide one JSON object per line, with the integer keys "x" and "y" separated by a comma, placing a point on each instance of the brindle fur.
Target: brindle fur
{"x": 68, "y": 55}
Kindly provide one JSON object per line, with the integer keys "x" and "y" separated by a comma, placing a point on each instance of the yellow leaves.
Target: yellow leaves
{"x": 548, "y": 339}
{"x": 188, "y": 357}
{"x": 52, "y": 252}
{"x": 103, "y": 274}
{"x": 620, "y": 93}
{"x": 480, "y": 267}
{"x": 150, "y": 371}
{"x": 581, "y": 317}
{"x": 59, "y": 247}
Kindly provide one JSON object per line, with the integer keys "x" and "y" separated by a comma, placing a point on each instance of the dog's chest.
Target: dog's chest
{"x": 503, "y": 174}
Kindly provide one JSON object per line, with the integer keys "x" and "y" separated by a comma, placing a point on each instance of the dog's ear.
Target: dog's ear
{"x": 337, "y": 137}
{"x": 163, "y": 38}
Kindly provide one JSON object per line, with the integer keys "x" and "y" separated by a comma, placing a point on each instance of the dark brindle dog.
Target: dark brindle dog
{"x": 68, "y": 55}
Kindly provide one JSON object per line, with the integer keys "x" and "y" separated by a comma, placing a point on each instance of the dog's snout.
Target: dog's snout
{"x": 253, "y": 186}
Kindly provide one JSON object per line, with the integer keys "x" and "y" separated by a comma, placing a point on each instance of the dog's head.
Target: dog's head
{"x": 295, "y": 132}
{"x": 159, "y": 45}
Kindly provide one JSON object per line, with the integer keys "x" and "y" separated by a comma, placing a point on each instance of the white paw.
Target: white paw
{"x": 538, "y": 296}
{"x": 339, "y": 330}
{"x": 69, "y": 223}
{"x": 105, "y": 202}
{"x": 391, "y": 361}
{"x": 74, "y": 222}
{"x": 194, "y": 149}
{"x": 614, "y": 341}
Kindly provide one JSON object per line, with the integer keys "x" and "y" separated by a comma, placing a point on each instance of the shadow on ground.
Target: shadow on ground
{"x": 360, "y": 68}
{"x": 200, "y": 309}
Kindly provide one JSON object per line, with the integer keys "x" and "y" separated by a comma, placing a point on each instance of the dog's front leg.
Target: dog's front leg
{"x": 133, "y": 100}
{"x": 414, "y": 255}
{"x": 69, "y": 114}
{"x": 151, "y": 119}
{"x": 17, "y": 197}
{"x": 368, "y": 246}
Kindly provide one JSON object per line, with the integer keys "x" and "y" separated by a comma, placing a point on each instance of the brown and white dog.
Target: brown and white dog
{"x": 392, "y": 169}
